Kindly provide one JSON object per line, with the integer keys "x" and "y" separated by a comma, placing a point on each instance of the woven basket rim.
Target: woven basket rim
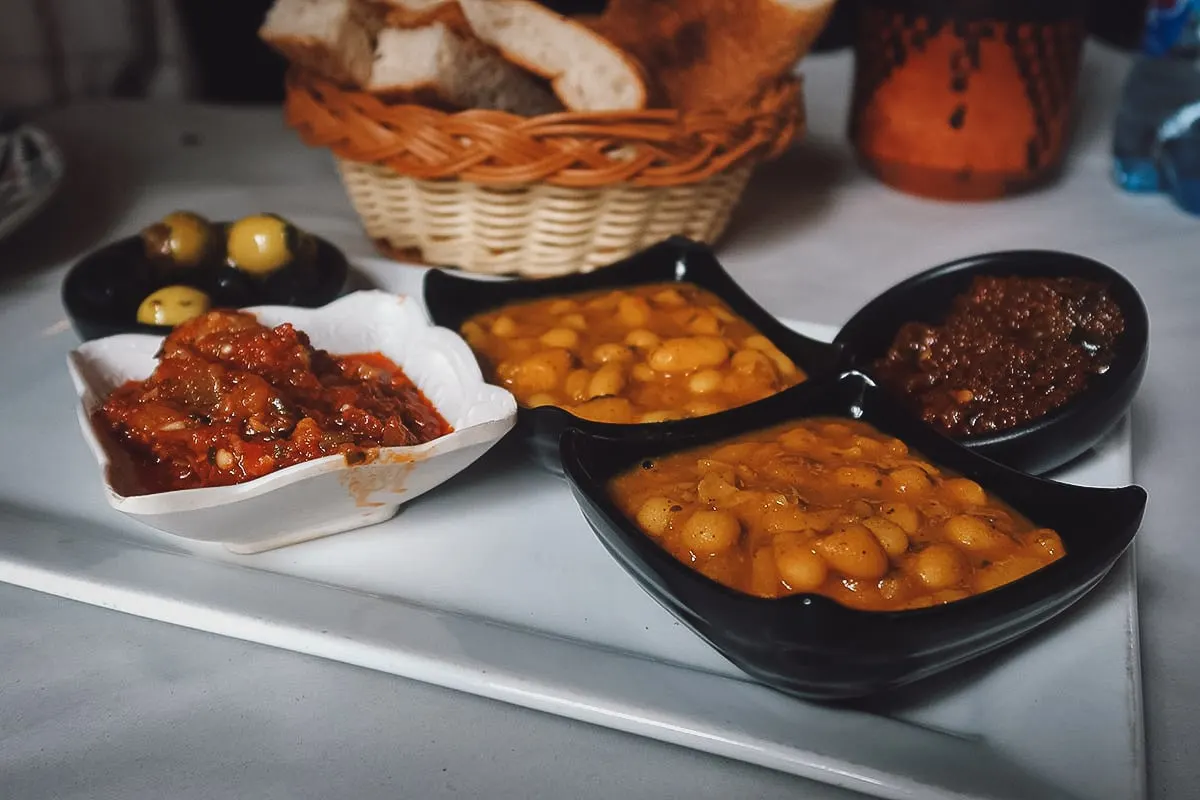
{"x": 651, "y": 147}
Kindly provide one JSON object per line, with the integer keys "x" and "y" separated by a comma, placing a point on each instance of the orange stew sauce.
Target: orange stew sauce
{"x": 834, "y": 507}
{"x": 232, "y": 400}
{"x": 638, "y": 354}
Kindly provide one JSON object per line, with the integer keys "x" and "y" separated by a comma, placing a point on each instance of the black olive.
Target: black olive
{"x": 294, "y": 285}
{"x": 232, "y": 288}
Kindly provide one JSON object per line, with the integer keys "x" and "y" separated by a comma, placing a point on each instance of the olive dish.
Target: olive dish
{"x": 1066, "y": 426}
{"x": 683, "y": 272}
{"x": 810, "y": 645}
{"x": 183, "y": 265}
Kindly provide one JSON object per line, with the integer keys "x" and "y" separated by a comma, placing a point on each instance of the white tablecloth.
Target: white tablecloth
{"x": 97, "y": 704}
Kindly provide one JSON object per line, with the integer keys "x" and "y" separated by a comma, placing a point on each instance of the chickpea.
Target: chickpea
{"x": 835, "y": 430}
{"x": 560, "y": 337}
{"x": 642, "y": 339}
{"x": 719, "y": 467}
{"x": 705, "y": 381}
{"x": 657, "y": 515}
{"x": 474, "y": 333}
{"x": 1004, "y": 572}
{"x": 642, "y": 373}
{"x": 789, "y": 519}
{"x": 611, "y": 351}
{"x": 703, "y": 322}
{"x": 505, "y": 371}
{"x": 670, "y": 298}
{"x": 800, "y": 568}
{"x": 896, "y": 448}
{"x": 764, "y": 575}
{"x": 709, "y": 533}
{"x": 606, "y": 301}
{"x": 576, "y": 384}
{"x": 541, "y": 372}
{"x": 966, "y": 491}
{"x": 563, "y": 306}
{"x": 856, "y": 477}
{"x": 617, "y": 410}
{"x": 753, "y": 385}
{"x": 752, "y": 361}
{"x": 891, "y": 536}
{"x": 608, "y": 381}
{"x": 714, "y": 488}
{"x": 765, "y": 346}
{"x": 504, "y": 327}
{"x": 940, "y": 566}
{"x": 722, "y": 314}
{"x": 907, "y": 481}
{"x": 798, "y": 440}
{"x": 867, "y": 447}
{"x": 1049, "y": 541}
{"x": 633, "y": 312}
{"x": 855, "y": 552}
{"x": 972, "y": 533}
{"x": 686, "y": 355}
{"x": 520, "y": 347}
{"x": 574, "y": 322}
{"x": 736, "y": 452}
{"x": 702, "y": 408}
{"x": 893, "y": 587}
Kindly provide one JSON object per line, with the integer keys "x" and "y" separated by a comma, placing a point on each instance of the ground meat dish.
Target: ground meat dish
{"x": 232, "y": 400}
{"x": 1011, "y": 350}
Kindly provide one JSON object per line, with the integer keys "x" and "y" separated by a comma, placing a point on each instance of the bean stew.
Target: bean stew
{"x": 647, "y": 353}
{"x": 834, "y": 507}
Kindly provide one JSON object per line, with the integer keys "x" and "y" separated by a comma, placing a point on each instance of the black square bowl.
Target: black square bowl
{"x": 809, "y": 645}
{"x": 1063, "y": 434}
{"x": 452, "y": 300}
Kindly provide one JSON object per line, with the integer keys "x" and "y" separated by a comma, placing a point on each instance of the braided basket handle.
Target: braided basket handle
{"x": 657, "y": 147}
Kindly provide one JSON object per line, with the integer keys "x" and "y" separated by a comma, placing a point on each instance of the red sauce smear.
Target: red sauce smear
{"x": 232, "y": 400}
{"x": 1011, "y": 350}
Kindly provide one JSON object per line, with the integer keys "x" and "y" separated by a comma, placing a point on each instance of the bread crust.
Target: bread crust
{"x": 714, "y": 53}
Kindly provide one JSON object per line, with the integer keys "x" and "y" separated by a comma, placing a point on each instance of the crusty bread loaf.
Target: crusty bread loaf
{"x": 334, "y": 38}
{"x": 434, "y": 62}
{"x": 587, "y": 72}
{"x": 713, "y": 53}
{"x": 419, "y": 13}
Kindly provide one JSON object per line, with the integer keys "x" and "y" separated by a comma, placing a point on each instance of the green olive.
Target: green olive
{"x": 173, "y": 305}
{"x": 180, "y": 239}
{"x": 262, "y": 244}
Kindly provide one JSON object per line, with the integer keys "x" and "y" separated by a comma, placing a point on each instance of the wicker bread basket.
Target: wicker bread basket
{"x": 495, "y": 193}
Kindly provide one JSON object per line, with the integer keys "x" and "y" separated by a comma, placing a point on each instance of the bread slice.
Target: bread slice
{"x": 714, "y": 53}
{"x": 587, "y": 72}
{"x": 334, "y": 38}
{"x": 434, "y": 62}
{"x": 419, "y": 13}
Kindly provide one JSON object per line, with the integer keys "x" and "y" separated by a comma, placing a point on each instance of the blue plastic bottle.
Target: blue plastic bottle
{"x": 1156, "y": 138}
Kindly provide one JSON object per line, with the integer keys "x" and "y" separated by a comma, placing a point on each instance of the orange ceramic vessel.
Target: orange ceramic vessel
{"x": 968, "y": 100}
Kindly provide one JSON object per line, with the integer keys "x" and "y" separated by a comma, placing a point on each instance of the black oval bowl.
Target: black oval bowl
{"x": 1063, "y": 434}
{"x": 452, "y": 300}
{"x": 102, "y": 291}
{"x": 811, "y": 646}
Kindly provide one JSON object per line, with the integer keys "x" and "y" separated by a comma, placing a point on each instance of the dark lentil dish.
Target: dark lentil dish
{"x": 1011, "y": 350}
{"x": 232, "y": 400}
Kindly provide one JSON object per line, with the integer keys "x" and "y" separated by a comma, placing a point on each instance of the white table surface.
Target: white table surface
{"x": 98, "y": 704}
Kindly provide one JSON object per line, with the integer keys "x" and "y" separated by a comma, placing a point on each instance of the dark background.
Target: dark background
{"x": 234, "y": 66}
